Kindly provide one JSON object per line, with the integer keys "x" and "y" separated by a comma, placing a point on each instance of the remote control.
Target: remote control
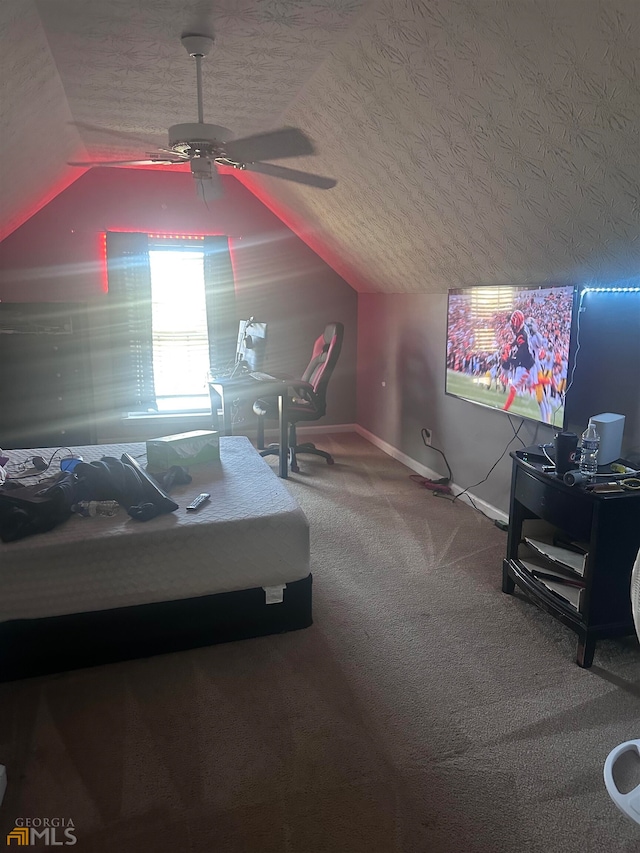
{"x": 197, "y": 502}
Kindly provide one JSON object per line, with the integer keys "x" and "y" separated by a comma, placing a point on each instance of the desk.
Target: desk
{"x": 246, "y": 388}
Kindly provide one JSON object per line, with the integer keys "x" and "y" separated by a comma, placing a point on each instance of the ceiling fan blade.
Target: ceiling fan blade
{"x": 286, "y": 142}
{"x": 158, "y": 161}
{"x": 121, "y": 134}
{"x": 177, "y": 154}
{"x": 307, "y": 178}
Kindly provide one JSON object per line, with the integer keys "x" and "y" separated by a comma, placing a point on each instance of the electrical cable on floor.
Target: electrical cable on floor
{"x": 441, "y": 486}
{"x": 499, "y": 525}
{"x": 424, "y": 433}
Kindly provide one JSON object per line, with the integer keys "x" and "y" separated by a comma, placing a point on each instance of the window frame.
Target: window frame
{"x": 129, "y": 304}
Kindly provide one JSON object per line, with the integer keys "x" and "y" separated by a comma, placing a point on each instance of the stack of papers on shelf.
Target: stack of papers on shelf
{"x": 572, "y": 560}
{"x": 572, "y": 594}
{"x": 570, "y": 590}
{"x": 544, "y": 570}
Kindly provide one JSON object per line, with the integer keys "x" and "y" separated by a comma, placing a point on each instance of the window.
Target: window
{"x": 172, "y": 318}
{"x": 179, "y": 328}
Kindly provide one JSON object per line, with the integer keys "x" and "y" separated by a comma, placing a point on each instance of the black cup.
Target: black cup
{"x": 566, "y": 445}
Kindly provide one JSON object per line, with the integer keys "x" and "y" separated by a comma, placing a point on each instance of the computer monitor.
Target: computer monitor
{"x": 251, "y": 347}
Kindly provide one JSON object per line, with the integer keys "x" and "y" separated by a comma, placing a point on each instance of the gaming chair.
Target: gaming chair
{"x": 308, "y": 400}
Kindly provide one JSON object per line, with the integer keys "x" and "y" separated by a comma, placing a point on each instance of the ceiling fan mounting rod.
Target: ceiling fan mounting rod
{"x": 198, "y": 47}
{"x": 198, "y": 60}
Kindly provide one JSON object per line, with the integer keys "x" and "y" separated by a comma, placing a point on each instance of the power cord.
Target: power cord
{"x": 38, "y": 463}
{"x": 490, "y": 471}
{"x": 442, "y": 480}
{"x": 441, "y": 488}
{"x": 516, "y": 431}
{"x": 571, "y": 373}
{"x": 438, "y": 487}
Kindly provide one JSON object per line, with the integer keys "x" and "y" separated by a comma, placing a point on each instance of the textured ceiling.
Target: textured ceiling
{"x": 119, "y": 65}
{"x": 472, "y": 141}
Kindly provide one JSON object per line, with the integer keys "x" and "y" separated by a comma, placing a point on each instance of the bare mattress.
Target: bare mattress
{"x": 239, "y": 565}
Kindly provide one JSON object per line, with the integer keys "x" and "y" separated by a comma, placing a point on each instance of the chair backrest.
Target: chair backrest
{"x": 324, "y": 357}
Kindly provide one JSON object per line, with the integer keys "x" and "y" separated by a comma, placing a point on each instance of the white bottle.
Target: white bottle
{"x": 589, "y": 453}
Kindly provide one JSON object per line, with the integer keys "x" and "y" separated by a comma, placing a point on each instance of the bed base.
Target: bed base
{"x": 33, "y": 647}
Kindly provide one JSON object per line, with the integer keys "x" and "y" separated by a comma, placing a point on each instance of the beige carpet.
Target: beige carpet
{"x": 423, "y": 712}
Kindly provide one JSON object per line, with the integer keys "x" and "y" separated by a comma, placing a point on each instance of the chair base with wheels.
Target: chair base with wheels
{"x": 307, "y": 398}
{"x": 294, "y": 447}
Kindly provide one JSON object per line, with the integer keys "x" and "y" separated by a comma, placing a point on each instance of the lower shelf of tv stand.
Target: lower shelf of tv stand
{"x": 513, "y": 574}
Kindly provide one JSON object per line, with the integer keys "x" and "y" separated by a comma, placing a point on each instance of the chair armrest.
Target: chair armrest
{"x": 303, "y": 390}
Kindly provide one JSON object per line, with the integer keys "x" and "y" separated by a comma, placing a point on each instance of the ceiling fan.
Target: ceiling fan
{"x": 205, "y": 146}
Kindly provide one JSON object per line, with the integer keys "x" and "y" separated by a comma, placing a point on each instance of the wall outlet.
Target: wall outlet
{"x": 427, "y": 435}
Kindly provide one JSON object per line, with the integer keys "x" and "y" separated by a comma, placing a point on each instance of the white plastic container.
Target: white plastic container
{"x": 629, "y": 803}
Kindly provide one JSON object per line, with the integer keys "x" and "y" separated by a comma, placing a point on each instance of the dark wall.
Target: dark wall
{"x": 58, "y": 255}
{"x": 607, "y": 377}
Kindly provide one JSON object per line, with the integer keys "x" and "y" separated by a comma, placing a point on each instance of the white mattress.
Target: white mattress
{"x": 252, "y": 533}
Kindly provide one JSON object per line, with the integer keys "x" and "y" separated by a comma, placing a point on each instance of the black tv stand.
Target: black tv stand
{"x": 595, "y": 600}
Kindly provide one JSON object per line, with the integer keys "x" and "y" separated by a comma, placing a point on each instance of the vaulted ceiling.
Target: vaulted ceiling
{"x": 472, "y": 140}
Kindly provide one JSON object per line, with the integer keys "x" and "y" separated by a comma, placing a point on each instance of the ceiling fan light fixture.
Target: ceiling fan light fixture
{"x": 201, "y": 167}
{"x": 197, "y": 45}
{"x": 185, "y": 137}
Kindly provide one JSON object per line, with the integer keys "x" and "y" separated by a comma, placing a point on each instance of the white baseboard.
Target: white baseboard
{"x": 430, "y": 474}
{"x": 329, "y": 428}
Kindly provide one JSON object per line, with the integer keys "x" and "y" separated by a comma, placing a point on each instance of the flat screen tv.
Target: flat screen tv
{"x": 510, "y": 347}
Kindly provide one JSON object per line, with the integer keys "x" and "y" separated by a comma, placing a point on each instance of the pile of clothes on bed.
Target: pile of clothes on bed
{"x": 25, "y": 510}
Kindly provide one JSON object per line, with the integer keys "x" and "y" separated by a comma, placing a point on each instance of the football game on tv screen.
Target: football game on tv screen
{"x": 508, "y": 347}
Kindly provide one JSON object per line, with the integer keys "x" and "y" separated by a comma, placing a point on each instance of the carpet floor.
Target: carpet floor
{"x": 423, "y": 712}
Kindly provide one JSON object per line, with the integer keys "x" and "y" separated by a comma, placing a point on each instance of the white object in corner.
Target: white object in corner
{"x": 628, "y": 803}
{"x": 610, "y": 428}
{"x": 3, "y": 781}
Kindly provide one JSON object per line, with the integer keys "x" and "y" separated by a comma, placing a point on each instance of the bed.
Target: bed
{"x": 98, "y": 590}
